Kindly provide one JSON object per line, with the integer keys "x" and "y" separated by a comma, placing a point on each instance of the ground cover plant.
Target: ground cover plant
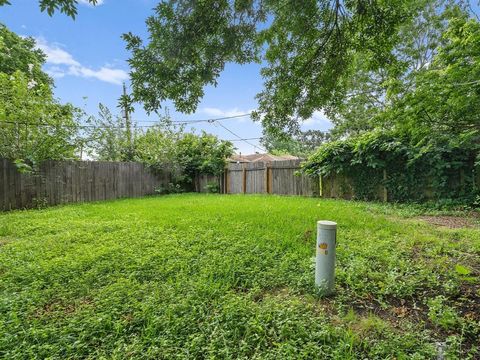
{"x": 215, "y": 276}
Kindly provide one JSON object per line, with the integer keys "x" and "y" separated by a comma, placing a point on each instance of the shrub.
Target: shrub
{"x": 212, "y": 187}
{"x": 440, "y": 169}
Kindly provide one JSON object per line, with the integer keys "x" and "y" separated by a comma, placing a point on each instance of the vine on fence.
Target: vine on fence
{"x": 435, "y": 169}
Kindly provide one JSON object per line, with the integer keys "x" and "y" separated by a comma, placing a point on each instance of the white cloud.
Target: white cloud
{"x": 318, "y": 119}
{"x": 219, "y": 112}
{"x": 86, "y": 2}
{"x": 55, "y": 55}
{"x": 65, "y": 64}
{"x": 114, "y": 76}
{"x": 216, "y": 112}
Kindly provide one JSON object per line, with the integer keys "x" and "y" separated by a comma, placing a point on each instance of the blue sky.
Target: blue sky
{"x": 87, "y": 58}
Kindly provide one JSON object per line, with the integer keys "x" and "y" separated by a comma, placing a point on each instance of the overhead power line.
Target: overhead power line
{"x": 201, "y": 120}
{"x": 240, "y": 138}
{"x": 254, "y": 138}
{"x": 211, "y": 120}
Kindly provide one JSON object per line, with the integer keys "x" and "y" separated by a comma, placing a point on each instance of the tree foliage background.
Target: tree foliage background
{"x": 34, "y": 126}
{"x": 421, "y": 125}
{"x": 308, "y": 48}
{"x": 399, "y": 79}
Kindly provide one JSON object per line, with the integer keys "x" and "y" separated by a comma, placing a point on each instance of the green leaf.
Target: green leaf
{"x": 462, "y": 270}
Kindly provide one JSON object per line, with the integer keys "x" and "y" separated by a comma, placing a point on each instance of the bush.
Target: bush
{"x": 171, "y": 188}
{"x": 212, "y": 187}
{"x": 440, "y": 169}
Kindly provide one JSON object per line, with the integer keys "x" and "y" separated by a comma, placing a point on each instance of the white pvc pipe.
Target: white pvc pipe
{"x": 325, "y": 256}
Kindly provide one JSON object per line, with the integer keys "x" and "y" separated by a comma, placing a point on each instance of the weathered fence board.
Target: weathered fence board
{"x": 276, "y": 177}
{"x": 59, "y": 182}
{"x": 205, "y": 183}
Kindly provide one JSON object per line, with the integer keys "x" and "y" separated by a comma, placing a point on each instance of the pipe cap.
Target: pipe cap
{"x": 327, "y": 225}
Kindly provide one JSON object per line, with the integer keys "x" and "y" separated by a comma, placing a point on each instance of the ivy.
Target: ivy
{"x": 440, "y": 168}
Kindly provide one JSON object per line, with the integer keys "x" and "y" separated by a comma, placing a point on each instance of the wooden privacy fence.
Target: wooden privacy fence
{"x": 338, "y": 186}
{"x": 276, "y": 177}
{"x": 59, "y": 182}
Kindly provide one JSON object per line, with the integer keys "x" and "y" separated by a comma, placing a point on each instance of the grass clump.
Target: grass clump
{"x": 195, "y": 276}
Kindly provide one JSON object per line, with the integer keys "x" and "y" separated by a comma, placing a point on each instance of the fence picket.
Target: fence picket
{"x": 58, "y": 182}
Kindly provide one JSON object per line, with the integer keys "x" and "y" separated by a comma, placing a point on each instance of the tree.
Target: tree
{"x": 20, "y": 54}
{"x": 185, "y": 154}
{"x": 369, "y": 93}
{"x": 157, "y": 146}
{"x": 428, "y": 135}
{"x": 34, "y": 125}
{"x": 204, "y": 153}
{"x": 308, "y": 47}
{"x": 105, "y": 137}
{"x": 446, "y": 96}
{"x": 125, "y": 103}
{"x": 302, "y": 143}
{"x": 68, "y": 7}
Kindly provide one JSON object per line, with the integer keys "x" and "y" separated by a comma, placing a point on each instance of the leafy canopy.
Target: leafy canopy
{"x": 161, "y": 146}
{"x": 398, "y": 94}
{"x": 34, "y": 126}
{"x": 20, "y": 54}
{"x": 301, "y": 143}
{"x": 307, "y": 47}
{"x": 427, "y": 138}
{"x": 68, "y": 7}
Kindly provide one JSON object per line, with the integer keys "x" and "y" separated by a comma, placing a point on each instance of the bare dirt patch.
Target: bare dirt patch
{"x": 452, "y": 222}
{"x": 5, "y": 240}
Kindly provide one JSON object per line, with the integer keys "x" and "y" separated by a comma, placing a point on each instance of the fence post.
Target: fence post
{"x": 267, "y": 188}
{"x": 270, "y": 180}
{"x": 227, "y": 181}
{"x": 320, "y": 184}
{"x": 244, "y": 183}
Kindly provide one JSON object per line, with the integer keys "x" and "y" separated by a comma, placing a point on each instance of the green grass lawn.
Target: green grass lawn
{"x": 206, "y": 276}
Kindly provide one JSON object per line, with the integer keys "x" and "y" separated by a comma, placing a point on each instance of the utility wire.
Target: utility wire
{"x": 254, "y": 138}
{"x": 122, "y": 127}
{"x": 240, "y": 138}
{"x": 202, "y": 120}
{"x": 210, "y": 121}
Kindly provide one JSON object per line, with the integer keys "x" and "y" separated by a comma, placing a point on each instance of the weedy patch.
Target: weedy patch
{"x": 453, "y": 222}
{"x": 194, "y": 276}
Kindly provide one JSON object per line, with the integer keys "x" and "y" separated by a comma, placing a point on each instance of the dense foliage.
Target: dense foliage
{"x": 300, "y": 143}
{"x": 307, "y": 46}
{"x": 231, "y": 277}
{"x": 68, "y": 7}
{"x": 438, "y": 169}
{"x": 34, "y": 126}
{"x": 20, "y": 54}
{"x": 367, "y": 93}
{"x": 52, "y": 134}
{"x": 426, "y": 134}
{"x": 160, "y": 146}
{"x": 187, "y": 154}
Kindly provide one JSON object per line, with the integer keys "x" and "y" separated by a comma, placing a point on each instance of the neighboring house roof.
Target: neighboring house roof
{"x": 238, "y": 158}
